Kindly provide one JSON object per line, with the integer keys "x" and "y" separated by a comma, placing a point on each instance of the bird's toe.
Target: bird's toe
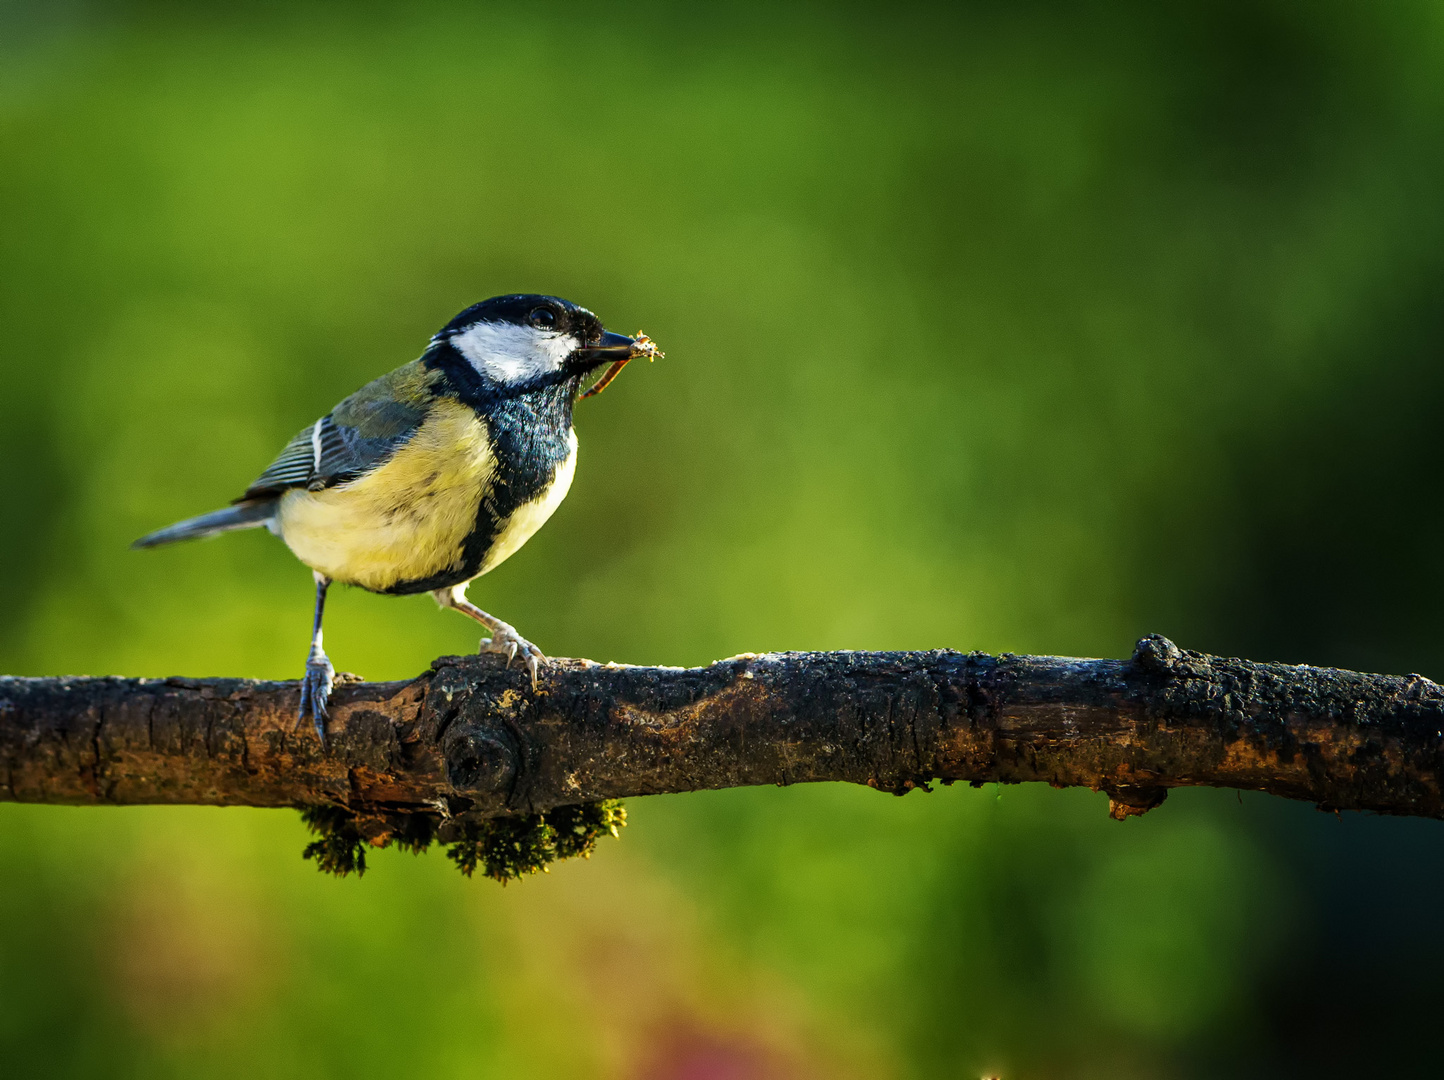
{"x": 507, "y": 642}
{"x": 316, "y": 689}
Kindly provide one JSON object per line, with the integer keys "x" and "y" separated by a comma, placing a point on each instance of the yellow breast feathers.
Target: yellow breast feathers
{"x": 405, "y": 520}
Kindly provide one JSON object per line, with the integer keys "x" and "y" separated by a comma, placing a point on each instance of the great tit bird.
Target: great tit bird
{"x": 428, "y": 477}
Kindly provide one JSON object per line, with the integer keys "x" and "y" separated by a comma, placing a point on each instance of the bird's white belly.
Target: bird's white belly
{"x": 531, "y": 516}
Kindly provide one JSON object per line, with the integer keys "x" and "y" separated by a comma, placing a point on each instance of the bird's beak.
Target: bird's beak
{"x": 618, "y": 349}
{"x": 612, "y": 347}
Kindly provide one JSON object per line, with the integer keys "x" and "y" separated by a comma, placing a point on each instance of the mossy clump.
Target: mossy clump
{"x": 578, "y": 828}
{"x": 506, "y": 848}
{"x": 340, "y": 848}
{"x": 414, "y": 832}
{"x": 501, "y": 848}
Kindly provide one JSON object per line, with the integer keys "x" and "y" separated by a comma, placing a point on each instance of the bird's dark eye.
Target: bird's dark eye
{"x": 544, "y": 318}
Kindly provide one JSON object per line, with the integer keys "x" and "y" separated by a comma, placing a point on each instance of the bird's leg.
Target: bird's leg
{"x": 320, "y": 675}
{"x": 504, "y": 638}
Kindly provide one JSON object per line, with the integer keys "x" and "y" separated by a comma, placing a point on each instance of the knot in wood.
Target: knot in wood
{"x": 1128, "y": 801}
{"x": 1156, "y": 654}
{"x": 479, "y": 762}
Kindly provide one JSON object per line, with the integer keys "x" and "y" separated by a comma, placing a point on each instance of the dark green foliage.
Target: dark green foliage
{"x": 578, "y": 828}
{"x": 502, "y": 848}
{"x": 414, "y": 832}
{"x": 507, "y": 848}
{"x": 468, "y": 852}
{"x": 340, "y": 848}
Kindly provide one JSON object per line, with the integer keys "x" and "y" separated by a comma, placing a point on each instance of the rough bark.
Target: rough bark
{"x": 470, "y": 737}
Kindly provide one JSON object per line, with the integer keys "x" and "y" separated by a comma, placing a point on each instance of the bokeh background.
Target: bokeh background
{"x": 1028, "y": 326}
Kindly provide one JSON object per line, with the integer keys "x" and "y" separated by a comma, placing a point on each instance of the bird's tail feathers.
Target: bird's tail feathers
{"x": 244, "y": 515}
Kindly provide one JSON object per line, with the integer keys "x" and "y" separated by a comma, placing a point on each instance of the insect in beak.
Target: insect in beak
{"x": 625, "y": 353}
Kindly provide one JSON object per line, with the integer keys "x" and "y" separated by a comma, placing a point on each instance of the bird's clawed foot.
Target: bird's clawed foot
{"x": 506, "y": 641}
{"x": 316, "y": 691}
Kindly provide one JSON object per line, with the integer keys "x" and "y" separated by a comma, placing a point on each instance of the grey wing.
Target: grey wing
{"x": 318, "y": 457}
{"x": 332, "y": 450}
{"x": 358, "y": 435}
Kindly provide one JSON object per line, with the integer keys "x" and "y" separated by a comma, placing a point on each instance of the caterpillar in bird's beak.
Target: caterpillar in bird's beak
{"x": 643, "y": 346}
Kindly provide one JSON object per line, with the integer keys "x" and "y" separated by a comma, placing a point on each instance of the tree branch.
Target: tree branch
{"x": 470, "y": 738}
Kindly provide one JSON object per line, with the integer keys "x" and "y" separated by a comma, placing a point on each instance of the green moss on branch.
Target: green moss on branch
{"x": 502, "y": 848}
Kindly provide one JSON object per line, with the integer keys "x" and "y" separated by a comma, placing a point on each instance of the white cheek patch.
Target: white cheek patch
{"x": 509, "y": 353}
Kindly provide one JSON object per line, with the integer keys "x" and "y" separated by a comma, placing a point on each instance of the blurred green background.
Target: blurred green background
{"x": 1028, "y": 326}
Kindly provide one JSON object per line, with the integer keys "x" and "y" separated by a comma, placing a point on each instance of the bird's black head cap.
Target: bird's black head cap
{"x": 549, "y": 313}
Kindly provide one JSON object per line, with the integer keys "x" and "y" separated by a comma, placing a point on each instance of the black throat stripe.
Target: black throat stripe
{"x": 529, "y": 442}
